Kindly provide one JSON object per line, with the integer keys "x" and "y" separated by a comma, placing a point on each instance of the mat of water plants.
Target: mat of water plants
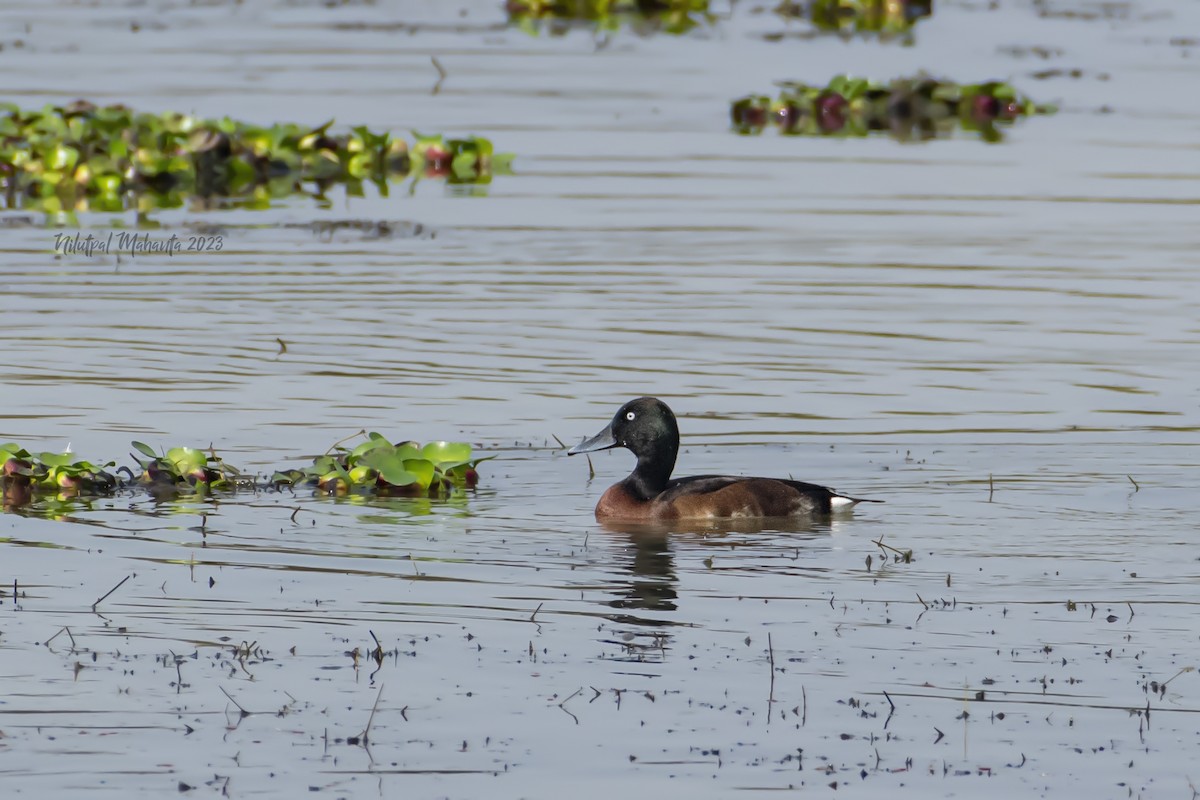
{"x": 84, "y": 157}
{"x": 920, "y": 107}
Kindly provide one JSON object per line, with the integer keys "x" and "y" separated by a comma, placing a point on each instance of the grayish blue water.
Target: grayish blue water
{"x": 900, "y": 321}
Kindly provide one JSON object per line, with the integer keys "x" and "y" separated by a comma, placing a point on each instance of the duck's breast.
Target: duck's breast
{"x": 618, "y": 502}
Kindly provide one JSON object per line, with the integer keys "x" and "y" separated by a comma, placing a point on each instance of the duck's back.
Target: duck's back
{"x": 709, "y": 496}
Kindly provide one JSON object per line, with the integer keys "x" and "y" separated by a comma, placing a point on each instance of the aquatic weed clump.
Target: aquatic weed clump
{"x": 24, "y": 474}
{"x": 917, "y": 108}
{"x": 373, "y": 467}
{"x": 377, "y": 465}
{"x": 186, "y": 468}
{"x": 84, "y": 157}
{"x": 882, "y": 18}
{"x": 643, "y": 16}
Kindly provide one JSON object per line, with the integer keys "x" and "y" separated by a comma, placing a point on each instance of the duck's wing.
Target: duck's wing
{"x": 766, "y": 496}
{"x": 696, "y": 484}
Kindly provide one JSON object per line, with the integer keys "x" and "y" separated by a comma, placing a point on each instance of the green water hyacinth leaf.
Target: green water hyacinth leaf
{"x": 447, "y": 453}
{"x": 144, "y": 449}
{"x": 848, "y": 87}
{"x": 392, "y": 467}
{"x": 323, "y": 464}
{"x": 186, "y": 459}
{"x": 55, "y": 459}
{"x": 366, "y": 447}
{"x": 341, "y": 473}
{"x": 13, "y": 450}
{"x": 363, "y": 474}
{"x": 422, "y": 469}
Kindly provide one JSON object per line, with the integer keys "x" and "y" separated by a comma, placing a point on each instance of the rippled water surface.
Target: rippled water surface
{"x": 998, "y": 340}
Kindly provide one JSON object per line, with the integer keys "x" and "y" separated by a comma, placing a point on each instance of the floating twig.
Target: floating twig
{"x": 1136, "y": 488}
{"x": 242, "y": 711}
{"x": 563, "y": 704}
{"x": 365, "y": 736}
{"x": 437, "y": 87}
{"x": 904, "y": 554}
{"x": 1176, "y": 675}
{"x": 991, "y": 487}
{"x": 178, "y": 672}
{"x": 113, "y": 589}
{"x": 771, "y": 660}
{"x": 65, "y": 629}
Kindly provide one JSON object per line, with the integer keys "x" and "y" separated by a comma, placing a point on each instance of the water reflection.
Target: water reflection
{"x": 718, "y": 527}
{"x": 650, "y": 557}
{"x": 652, "y": 583}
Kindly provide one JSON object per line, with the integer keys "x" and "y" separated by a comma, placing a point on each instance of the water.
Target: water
{"x": 900, "y": 321}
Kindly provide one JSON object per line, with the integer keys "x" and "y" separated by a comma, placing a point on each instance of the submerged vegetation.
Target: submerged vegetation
{"x": 643, "y": 16}
{"x": 83, "y": 157}
{"x": 907, "y": 108}
{"x": 376, "y": 466}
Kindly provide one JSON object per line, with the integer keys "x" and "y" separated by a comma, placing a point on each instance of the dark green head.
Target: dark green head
{"x": 646, "y": 427}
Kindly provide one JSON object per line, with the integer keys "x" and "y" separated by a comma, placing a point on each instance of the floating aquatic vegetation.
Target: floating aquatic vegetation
{"x": 848, "y": 17}
{"x": 907, "y": 108}
{"x": 25, "y": 473}
{"x": 643, "y": 16}
{"x": 186, "y": 467}
{"x": 83, "y": 157}
{"x": 378, "y": 465}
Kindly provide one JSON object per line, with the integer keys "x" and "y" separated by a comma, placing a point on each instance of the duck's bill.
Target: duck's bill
{"x": 601, "y": 441}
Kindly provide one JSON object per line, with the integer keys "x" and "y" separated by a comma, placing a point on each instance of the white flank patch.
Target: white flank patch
{"x": 837, "y": 502}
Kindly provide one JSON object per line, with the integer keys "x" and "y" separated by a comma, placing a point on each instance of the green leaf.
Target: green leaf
{"x": 398, "y": 466}
{"x": 463, "y": 165}
{"x": 56, "y": 459}
{"x": 186, "y": 459}
{"x": 422, "y": 469}
{"x": 13, "y": 450}
{"x": 366, "y": 447}
{"x": 144, "y": 449}
{"x": 447, "y": 452}
{"x": 341, "y": 473}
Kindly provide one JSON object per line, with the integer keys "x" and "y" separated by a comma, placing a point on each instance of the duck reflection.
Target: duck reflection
{"x": 646, "y": 593}
{"x": 650, "y": 560}
{"x": 651, "y": 583}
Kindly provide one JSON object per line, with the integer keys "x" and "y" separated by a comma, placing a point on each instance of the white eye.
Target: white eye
{"x": 630, "y": 415}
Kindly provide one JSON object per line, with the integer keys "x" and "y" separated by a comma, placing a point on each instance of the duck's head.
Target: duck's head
{"x": 645, "y": 426}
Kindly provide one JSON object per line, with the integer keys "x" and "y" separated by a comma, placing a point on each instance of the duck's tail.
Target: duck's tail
{"x": 841, "y": 501}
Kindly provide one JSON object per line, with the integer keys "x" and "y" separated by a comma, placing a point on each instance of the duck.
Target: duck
{"x": 647, "y": 427}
